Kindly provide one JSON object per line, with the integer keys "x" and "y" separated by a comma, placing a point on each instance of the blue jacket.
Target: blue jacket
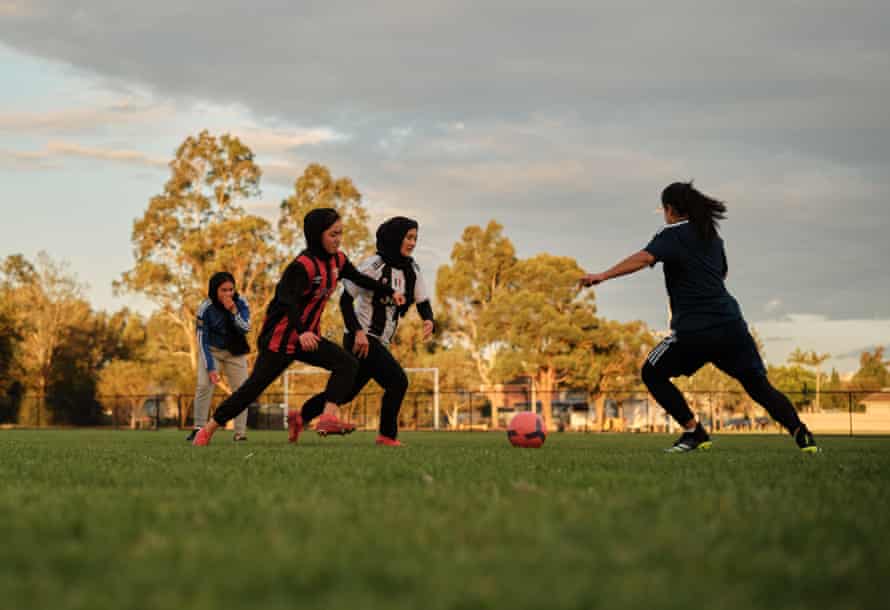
{"x": 215, "y": 325}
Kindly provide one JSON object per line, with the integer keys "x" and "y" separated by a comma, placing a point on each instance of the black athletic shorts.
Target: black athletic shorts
{"x": 729, "y": 347}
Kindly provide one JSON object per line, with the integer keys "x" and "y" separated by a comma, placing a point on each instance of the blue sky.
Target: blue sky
{"x": 563, "y": 124}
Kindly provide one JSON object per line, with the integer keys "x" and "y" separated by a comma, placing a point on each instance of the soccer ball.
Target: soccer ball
{"x": 526, "y": 429}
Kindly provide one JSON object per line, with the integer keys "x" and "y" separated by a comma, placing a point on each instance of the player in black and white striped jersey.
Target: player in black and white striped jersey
{"x": 372, "y": 321}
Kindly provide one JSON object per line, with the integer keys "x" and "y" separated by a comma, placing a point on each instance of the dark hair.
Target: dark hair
{"x": 704, "y": 213}
{"x": 217, "y": 280}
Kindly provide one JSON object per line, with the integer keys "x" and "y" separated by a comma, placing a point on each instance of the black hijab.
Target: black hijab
{"x": 315, "y": 223}
{"x": 390, "y": 236}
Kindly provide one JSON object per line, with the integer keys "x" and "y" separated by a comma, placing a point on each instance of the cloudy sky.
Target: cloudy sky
{"x": 562, "y": 120}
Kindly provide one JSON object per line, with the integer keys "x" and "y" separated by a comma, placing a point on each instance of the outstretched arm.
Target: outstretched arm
{"x": 631, "y": 264}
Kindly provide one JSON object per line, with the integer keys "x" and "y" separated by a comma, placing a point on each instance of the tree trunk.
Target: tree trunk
{"x": 600, "y": 406}
{"x": 546, "y": 384}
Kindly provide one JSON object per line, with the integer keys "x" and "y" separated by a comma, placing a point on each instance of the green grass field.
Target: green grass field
{"x": 130, "y": 520}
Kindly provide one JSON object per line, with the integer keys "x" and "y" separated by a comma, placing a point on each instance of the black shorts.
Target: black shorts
{"x": 729, "y": 347}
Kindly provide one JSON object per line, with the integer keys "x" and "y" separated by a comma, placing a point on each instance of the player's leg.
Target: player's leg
{"x": 235, "y": 370}
{"x": 201, "y": 406}
{"x": 269, "y": 365}
{"x": 671, "y": 358}
{"x": 741, "y": 359}
{"x": 387, "y": 372}
{"x": 344, "y": 367}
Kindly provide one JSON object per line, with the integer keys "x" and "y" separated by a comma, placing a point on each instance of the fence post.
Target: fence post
{"x": 711, "y": 409}
{"x": 470, "y": 396}
{"x": 850, "y": 404}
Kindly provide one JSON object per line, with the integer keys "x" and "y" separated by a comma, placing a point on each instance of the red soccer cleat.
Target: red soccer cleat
{"x": 329, "y": 424}
{"x": 294, "y": 425}
{"x": 385, "y": 441}
{"x": 202, "y": 438}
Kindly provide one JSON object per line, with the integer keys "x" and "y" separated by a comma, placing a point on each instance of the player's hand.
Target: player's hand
{"x": 591, "y": 279}
{"x": 428, "y": 328}
{"x": 229, "y": 303}
{"x": 214, "y": 377}
{"x": 309, "y": 341}
{"x": 361, "y": 346}
{"x": 399, "y": 298}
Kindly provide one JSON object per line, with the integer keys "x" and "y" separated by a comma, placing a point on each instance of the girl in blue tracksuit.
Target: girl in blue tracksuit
{"x": 222, "y": 326}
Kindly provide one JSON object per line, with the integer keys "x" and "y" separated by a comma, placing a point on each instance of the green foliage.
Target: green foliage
{"x": 198, "y": 226}
{"x": 317, "y": 188}
{"x": 872, "y": 373}
{"x": 469, "y": 288}
{"x": 796, "y": 382}
{"x": 60, "y": 342}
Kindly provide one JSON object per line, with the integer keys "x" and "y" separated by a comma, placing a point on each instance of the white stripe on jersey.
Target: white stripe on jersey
{"x": 241, "y": 322}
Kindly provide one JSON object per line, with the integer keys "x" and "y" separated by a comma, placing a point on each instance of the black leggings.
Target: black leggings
{"x": 270, "y": 365}
{"x": 380, "y": 366}
{"x": 732, "y": 349}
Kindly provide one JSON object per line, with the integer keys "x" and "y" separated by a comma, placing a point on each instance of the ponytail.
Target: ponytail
{"x": 704, "y": 213}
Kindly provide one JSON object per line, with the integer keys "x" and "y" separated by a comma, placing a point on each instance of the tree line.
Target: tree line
{"x": 500, "y": 317}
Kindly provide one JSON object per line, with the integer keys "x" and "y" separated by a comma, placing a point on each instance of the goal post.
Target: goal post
{"x": 317, "y": 371}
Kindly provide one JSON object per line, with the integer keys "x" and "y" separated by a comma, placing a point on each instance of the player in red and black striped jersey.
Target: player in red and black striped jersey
{"x": 371, "y": 324}
{"x": 291, "y": 328}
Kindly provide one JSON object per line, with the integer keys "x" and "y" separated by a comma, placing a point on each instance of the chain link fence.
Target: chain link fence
{"x": 633, "y": 411}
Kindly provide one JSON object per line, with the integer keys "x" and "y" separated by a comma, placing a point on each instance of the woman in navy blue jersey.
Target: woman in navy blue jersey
{"x": 706, "y": 321}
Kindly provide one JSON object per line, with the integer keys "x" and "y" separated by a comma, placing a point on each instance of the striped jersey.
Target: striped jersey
{"x": 378, "y": 315}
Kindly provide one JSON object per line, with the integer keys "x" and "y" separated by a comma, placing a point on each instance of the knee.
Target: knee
{"x": 650, "y": 375}
{"x": 756, "y": 384}
{"x": 348, "y": 364}
{"x": 400, "y": 383}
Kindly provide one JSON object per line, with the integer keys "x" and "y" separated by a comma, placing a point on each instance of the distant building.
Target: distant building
{"x": 877, "y": 403}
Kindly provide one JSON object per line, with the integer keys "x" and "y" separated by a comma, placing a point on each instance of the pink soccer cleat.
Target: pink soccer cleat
{"x": 329, "y": 424}
{"x": 202, "y": 438}
{"x": 385, "y": 441}
{"x": 294, "y": 425}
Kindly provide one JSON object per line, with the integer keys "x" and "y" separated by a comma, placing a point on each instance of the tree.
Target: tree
{"x": 317, "y": 188}
{"x": 124, "y": 385}
{"x": 619, "y": 349}
{"x": 835, "y": 400}
{"x": 49, "y": 303}
{"x": 810, "y": 359}
{"x": 10, "y": 387}
{"x": 872, "y": 373}
{"x": 545, "y": 328}
{"x": 470, "y": 287}
{"x": 795, "y": 381}
{"x": 196, "y": 227}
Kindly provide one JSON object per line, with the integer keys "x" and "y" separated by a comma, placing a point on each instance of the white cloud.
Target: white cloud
{"x": 282, "y": 141}
{"x": 843, "y": 339}
{"x": 60, "y": 149}
{"x": 82, "y": 119}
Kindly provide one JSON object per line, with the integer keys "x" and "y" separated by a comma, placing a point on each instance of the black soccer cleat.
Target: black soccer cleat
{"x": 191, "y": 436}
{"x": 691, "y": 440}
{"x": 804, "y": 439}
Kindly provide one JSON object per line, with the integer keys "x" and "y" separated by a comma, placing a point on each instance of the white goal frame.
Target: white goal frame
{"x": 318, "y": 371}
